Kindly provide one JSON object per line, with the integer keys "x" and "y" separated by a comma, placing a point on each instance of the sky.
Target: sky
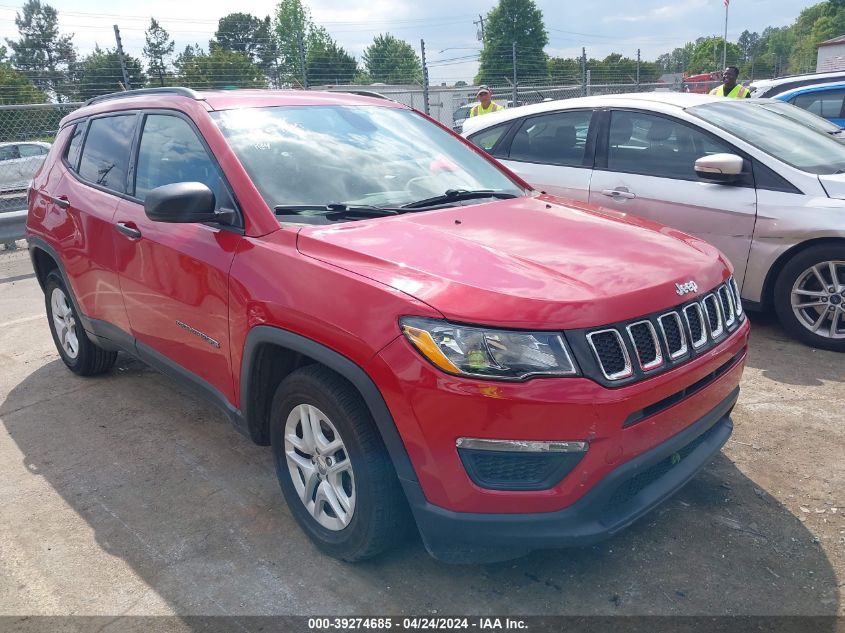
{"x": 602, "y": 26}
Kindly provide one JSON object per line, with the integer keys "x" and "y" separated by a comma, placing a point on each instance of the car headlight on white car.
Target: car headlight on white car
{"x": 482, "y": 352}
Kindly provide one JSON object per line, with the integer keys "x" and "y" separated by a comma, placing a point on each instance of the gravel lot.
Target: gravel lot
{"x": 124, "y": 495}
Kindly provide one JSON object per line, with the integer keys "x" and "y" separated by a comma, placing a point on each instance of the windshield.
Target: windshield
{"x": 791, "y": 142}
{"x": 801, "y": 116}
{"x": 353, "y": 155}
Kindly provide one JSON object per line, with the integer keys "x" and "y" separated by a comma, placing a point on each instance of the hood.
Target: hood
{"x": 834, "y": 185}
{"x": 526, "y": 262}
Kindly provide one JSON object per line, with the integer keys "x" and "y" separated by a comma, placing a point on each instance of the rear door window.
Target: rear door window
{"x": 75, "y": 144}
{"x": 487, "y": 139}
{"x": 28, "y": 150}
{"x": 105, "y": 156}
{"x": 827, "y": 103}
{"x": 559, "y": 138}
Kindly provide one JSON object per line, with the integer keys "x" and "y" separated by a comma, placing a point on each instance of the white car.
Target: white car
{"x": 768, "y": 191}
{"x": 19, "y": 162}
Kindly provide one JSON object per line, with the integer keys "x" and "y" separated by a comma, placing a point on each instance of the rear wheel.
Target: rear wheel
{"x": 810, "y": 297}
{"x": 333, "y": 467}
{"x": 78, "y": 352}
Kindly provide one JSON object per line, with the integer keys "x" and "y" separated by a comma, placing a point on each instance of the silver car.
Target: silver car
{"x": 765, "y": 189}
{"x": 19, "y": 162}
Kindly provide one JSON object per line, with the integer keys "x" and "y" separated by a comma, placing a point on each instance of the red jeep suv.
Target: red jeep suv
{"x": 419, "y": 336}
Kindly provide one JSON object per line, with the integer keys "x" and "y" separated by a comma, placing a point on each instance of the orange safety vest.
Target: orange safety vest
{"x": 738, "y": 92}
{"x": 478, "y": 109}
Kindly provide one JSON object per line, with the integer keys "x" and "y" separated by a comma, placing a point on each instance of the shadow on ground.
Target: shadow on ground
{"x": 776, "y": 357}
{"x": 194, "y": 510}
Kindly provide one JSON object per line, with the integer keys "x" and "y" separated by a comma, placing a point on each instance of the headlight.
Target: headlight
{"x": 486, "y": 353}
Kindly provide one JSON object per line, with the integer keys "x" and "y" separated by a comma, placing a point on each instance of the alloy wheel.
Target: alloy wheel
{"x": 818, "y": 299}
{"x": 319, "y": 467}
{"x": 64, "y": 323}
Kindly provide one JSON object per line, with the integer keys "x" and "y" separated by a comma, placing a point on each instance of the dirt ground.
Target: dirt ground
{"x": 123, "y": 495}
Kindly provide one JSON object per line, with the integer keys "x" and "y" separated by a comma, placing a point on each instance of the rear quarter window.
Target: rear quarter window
{"x": 74, "y": 146}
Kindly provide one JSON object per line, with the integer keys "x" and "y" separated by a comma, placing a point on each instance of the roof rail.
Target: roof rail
{"x": 365, "y": 93}
{"x": 173, "y": 90}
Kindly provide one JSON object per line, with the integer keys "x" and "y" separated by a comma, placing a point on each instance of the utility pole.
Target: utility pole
{"x": 302, "y": 62}
{"x": 725, "y": 41}
{"x": 424, "y": 77}
{"x": 126, "y": 84}
{"x": 583, "y": 72}
{"x": 480, "y": 23}
{"x": 638, "y": 70}
{"x": 513, "y": 100}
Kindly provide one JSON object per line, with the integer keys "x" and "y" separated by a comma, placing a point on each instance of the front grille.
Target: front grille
{"x": 696, "y": 325}
{"x": 714, "y": 315}
{"x": 646, "y": 344}
{"x": 609, "y": 348}
{"x": 662, "y": 341}
{"x": 727, "y": 305}
{"x": 673, "y": 335}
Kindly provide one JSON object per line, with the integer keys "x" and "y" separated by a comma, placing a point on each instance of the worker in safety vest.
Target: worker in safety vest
{"x": 486, "y": 103}
{"x": 730, "y": 88}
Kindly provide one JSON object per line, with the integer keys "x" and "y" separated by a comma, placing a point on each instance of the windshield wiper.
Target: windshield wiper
{"x": 337, "y": 208}
{"x": 455, "y": 195}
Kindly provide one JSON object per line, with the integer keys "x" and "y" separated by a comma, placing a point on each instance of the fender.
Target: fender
{"x": 264, "y": 334}
{"x": 39, "y": 243}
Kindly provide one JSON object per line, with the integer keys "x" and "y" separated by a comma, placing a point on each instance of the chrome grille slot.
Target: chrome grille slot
{"x": 695, "y": 322}
{"x": 609, "y": 348}
{"x": 646, "y": 345}
{"x": 714, "y": 315}
{"x": 726, "y": 301}
{"x": 737, "y": 298}
{"x": 673, "y": 334}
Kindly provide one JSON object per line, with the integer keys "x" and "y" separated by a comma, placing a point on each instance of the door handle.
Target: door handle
{"x": 618, "y": 193}
{"x": 128, "y": 230}
{"x": 61, "y": 201}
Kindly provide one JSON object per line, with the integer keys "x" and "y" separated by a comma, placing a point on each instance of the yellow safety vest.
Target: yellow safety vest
{"x": 479, "y": 109}
{"x": 738, "y": 92}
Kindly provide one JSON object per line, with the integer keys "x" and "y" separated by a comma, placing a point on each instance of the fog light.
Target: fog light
{"x": 519, "y": 464}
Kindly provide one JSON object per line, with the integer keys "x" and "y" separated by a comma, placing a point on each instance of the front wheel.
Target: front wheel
{"x": 333, "y": 467}
{"x": 810, "y": 297}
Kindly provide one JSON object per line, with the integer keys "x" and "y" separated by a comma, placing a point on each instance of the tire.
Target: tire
{"x": 78, "y": 352}
{"x": 359, "y": 474}
{"x": 816, "y": 325}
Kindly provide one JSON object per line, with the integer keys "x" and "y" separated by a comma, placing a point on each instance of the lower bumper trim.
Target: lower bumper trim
{"x": 622, "y": 497}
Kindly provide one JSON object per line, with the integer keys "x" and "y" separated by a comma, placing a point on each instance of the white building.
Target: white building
{"x": 831, "y": 56}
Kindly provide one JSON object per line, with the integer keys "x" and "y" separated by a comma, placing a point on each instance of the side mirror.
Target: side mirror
{"x": 184, "y": 202}
{"x": 719, "y": 167}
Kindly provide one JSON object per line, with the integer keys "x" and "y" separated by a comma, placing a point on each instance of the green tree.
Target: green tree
{"x": 512, "y": 21}
{"x": 219, "y": 69}
{"x": 100, "y": 73}
{"x": 15, "y": 88}
{"x": 564, "y": 70}
{"x": 707, "y": 56}
{"x": 678, "y": 60}
{"x": 252, "y": 36}
{"x": 326, "y": 62}
{"x": 292, "y": 25}
{"x": 392, "y": 61}
{"x": 158, "y": 50}
{"x": 45, "y": 56}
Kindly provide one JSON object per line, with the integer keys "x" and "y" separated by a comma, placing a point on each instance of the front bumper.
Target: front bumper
{"x": 619, "y": 499}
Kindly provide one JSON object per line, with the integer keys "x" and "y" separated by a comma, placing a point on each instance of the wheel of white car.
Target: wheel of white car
{"x": 77, "y": 351}
{"x": 810, "y": 297}
{"x": 333, "y": 467}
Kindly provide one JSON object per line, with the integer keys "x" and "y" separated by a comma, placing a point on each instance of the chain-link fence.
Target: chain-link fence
{"x": 26, "y": 131}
